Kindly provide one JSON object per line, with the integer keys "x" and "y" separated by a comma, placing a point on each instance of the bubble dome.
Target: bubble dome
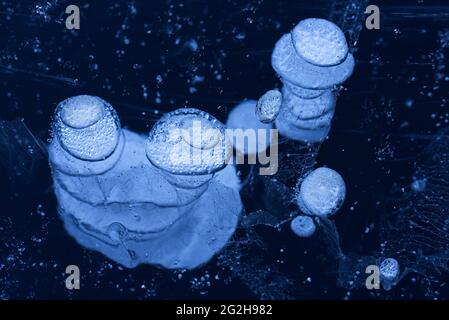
{"x": 87, "y": 127}
{"x": 188, "y": 141}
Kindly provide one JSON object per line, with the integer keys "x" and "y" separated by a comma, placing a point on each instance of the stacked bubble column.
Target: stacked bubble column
{"x": 312, "y": 61}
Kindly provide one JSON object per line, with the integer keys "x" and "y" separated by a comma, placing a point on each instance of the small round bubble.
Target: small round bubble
{"x": 303, "y": 226}
{"x": 188, "y": 141}
{"x": 389, "y": 269}
{"x": 268, "y": 106}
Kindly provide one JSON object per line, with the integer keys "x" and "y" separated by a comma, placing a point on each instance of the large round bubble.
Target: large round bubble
{"x": 321, "y": 193}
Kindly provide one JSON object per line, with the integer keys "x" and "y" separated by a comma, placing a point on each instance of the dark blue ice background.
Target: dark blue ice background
{"x": 150, "y": 57}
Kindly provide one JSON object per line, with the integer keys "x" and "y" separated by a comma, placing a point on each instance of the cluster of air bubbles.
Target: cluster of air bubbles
{"x": 188, "y": 141}
{"x": 87, "y": 127}
{"x": 268, "y": 106}
{"x": 389, "y": 272}
{"x": 155, "y": 199}
{"x": 303, "y": 226}
{"x": 321, "y": 193}
{"x": 312, "y": 60}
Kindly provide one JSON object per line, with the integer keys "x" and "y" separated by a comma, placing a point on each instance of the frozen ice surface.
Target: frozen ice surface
{"x": 243, "y": 117}
{"x": 292, "y": 68}
{"x": 389, "y": 272}
{"x": 320, "y": 42}
{"x": 87, "y": 127}
{"x": 134, "y": 212}
{"x": 268, "y": 106}
{"x": 188, "y": 141}
{"x": 202, "y": 229}
{"x": 303, "y": 226}
{"x": 321, "y": 193}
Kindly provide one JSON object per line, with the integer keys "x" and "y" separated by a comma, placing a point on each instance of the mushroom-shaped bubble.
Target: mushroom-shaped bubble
{"x": 87, "y": 127}
{"x": 389, "y": 272}
{"x": 320, "y": 42}
{"x": 268, "y": 106}
{"x": 188, "y": 141}
{"x": 303, "y": 226}
{"x": 294, "y": 69}
{"x": 321, "y": 193}
{"x": 249, "y": 135}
